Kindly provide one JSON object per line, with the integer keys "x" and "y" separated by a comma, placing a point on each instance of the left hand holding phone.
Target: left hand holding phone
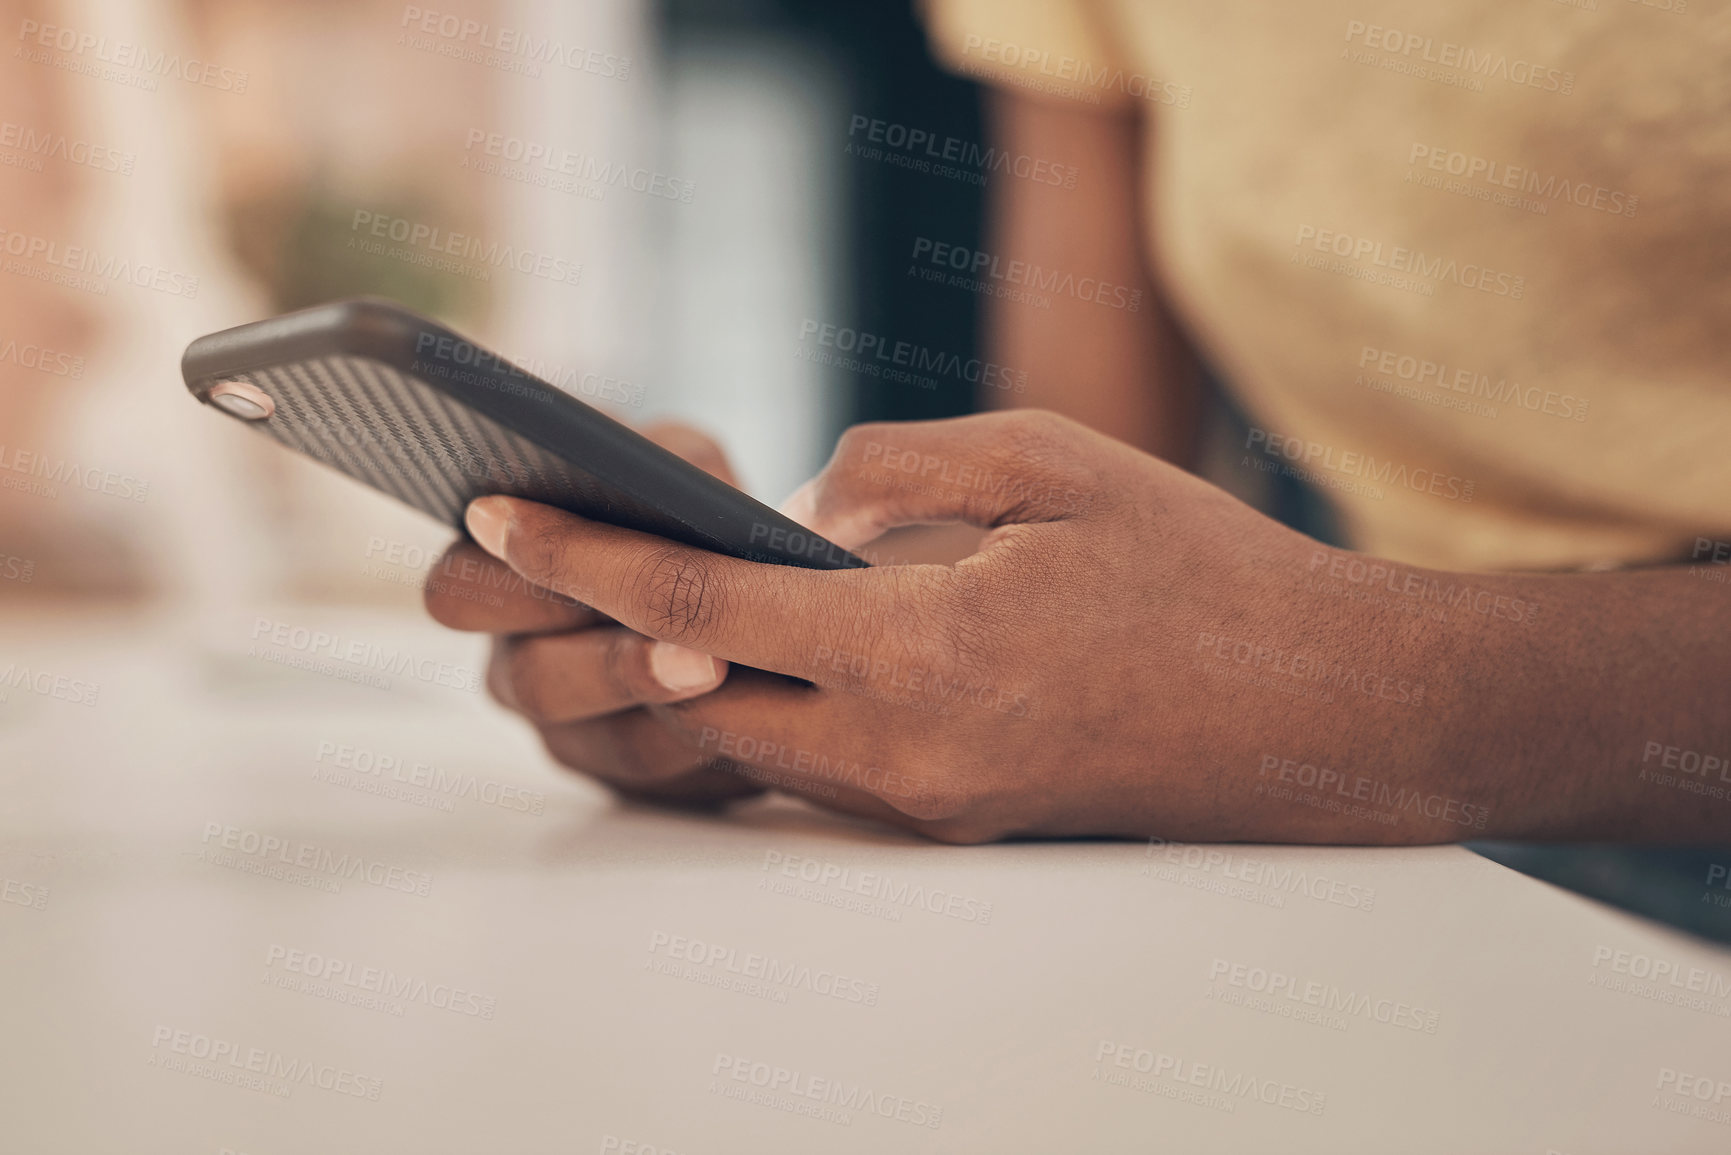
{"x": 587, "y": 683}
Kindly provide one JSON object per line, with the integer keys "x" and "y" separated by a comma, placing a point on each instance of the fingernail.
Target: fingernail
{"x": 681, "y": 670}
{"x": 801, "y": 504}
{"x": 488, "y": 524}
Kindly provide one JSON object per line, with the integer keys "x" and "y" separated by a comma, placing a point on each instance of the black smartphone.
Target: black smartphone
{"x": 414, "y": 410}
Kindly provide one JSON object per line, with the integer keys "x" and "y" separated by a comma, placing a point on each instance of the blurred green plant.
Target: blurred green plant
{"x": 305, "y": 249}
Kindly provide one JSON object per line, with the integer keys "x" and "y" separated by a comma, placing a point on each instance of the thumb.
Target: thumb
{"x": 987, "y": 470}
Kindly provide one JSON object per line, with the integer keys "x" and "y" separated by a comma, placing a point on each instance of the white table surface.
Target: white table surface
{"x": 129, "y": 945}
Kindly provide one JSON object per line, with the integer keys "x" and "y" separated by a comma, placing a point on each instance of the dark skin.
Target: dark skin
{"x": 1131, "y": 650}
{"x": 1124, "y": 654}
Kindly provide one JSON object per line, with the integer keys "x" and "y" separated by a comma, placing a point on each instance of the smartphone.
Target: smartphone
{"x": 417, "y": 411}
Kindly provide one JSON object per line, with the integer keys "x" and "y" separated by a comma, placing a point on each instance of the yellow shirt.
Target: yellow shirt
{"x": 1466, "y": 265}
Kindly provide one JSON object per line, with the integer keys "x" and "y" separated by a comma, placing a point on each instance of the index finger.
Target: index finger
{"x": 772, "y": 617}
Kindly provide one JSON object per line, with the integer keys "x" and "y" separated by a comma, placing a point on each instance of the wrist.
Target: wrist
{"x": 1381, "y": 753}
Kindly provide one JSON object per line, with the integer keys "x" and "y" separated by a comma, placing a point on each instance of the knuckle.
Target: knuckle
{"x": 969, "y": 635}
{"x": 523, "y": 680}
{"x": 1037, "y": 428}
{"x": 542, "y": 556}
{"x": 1034, "y": 438}
{"x": 850, "y": 447}
{"x": 681, "y": 595}
{"x": 1043, "y": 453}
{"x": 623, "y": 667}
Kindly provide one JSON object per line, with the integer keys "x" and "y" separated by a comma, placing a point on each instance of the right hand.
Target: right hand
{"x": 596, "y": 691}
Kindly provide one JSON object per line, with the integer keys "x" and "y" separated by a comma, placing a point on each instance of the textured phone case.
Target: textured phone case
{"x": 394, "y": 433}
{"x": 416, "y": 411}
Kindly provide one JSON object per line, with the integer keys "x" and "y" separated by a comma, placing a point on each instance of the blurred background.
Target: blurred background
{"x": 708, "y": 191}
{"x": 709, "y": 197}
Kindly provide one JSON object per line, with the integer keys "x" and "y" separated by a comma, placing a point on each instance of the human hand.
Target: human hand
{"x": 1078, "y": 675}
{"x": 591, "y": 687}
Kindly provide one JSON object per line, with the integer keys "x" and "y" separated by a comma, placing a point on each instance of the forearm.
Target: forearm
{"x": 1126, "y": 372}
{"x": 1563, "y": 706}
{"x": 1599, "y": 720}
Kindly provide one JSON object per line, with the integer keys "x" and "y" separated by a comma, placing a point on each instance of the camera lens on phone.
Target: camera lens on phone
{"x": 242, "y": 399}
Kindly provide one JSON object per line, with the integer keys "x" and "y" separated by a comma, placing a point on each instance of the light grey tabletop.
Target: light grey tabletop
{"x": 257, "y": 908}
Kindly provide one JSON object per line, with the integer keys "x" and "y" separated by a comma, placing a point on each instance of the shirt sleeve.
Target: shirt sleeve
{"x": 1056, "y": 49}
